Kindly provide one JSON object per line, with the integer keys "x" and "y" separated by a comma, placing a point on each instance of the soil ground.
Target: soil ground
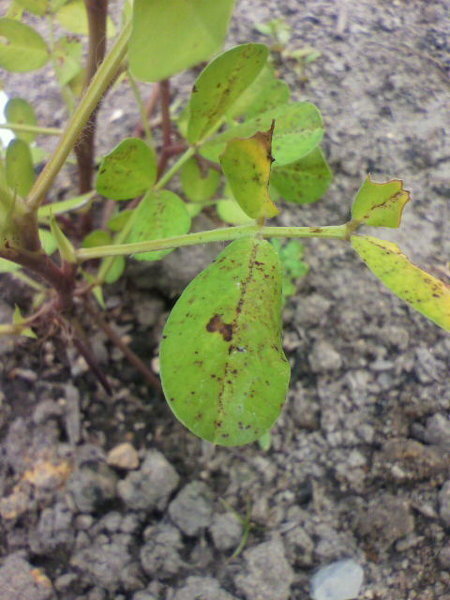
{"x": 359, "y": 461}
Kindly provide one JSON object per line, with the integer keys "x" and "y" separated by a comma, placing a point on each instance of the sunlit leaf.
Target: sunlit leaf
{"x": 223, "y": 369}
{"x": 68, "y": 55}
{"x": 380, "y": 204}
{"x": 246, "y": 164}
{"x": 427, "y": 294}
{"x": 199, "y": 182}
{"x": 303, "y": 181}
{"x": 21, "y": 47}
{"x": 127, "y": 171}
{"x": 19, "y": 111}
{"x": 265, "y": 93}
{"x": 169, "y": 37}
{"x": 230, "y": 212}
{"x": 19, "y": 167}
{"x": 159, "y": 215}
{"x": 73, "y": 17}
{"x": 220, "y": 84}
{"x": 298, "y": 130}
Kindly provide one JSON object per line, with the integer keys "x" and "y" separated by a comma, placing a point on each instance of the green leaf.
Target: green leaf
{"x": 303, "y": 181}
{"x": 230, "y": 212}
{"x": 291, "y": 257}
{"x": 127, "y": 171}
{"x": 18, "y": 319}
{"x": 265, "y": 93}
{"x": 169, "y": 37}
{"x": 98, "y": 237}
{"x": 63, "y": 206}
{"x": 68, "y": 56}
{"x": 118, "y": 221}
{"x": 18, "y": 110}
{"x": 159, "y": 215}
{"x": 199, "y": 184}
{"x": 73, "y": 17}
{"x": 48, "y": 242}
{"x": 298, "y": 130}
{"x": 65, "y": 247}
{"x": 427, "y": 294}
{"x": 223, "y": 369}
{"x": 21, "y": 47}
{"x": 220, "y": 84}
{"x": 37, "y": 7}
{"x": 19, "y": 167}
{"x": 380, "y": 204}
{"x": 7, "y": 266}
{"x": 246, "y": 164}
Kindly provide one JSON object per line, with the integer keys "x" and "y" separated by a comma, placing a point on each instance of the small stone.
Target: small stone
{"x": 143, "y": 595}
{"x": 63, "y": 582}
{"x": 150, "y": 486}
{"x": 311, "y": 310}
{"x": 444, "y": 557}
{"x": 192, "y": 508}
{"x": 92, "y": 486}
{"x": 444, "y": 503}
{"x": 19, "y": 579}
{"x": 437, "y": 431}
{"x": 323, "y": 357}
{"x": 159, "y": 555}
{"x": 302, "y": 546}
{"x": 123, "y": 456}
{"x": 226, "y": 531}
{"x": 267, "y": 575}
{"x": 386, "y": 520}
{"x": 202, "y": 588}
{"x": 340, "y": 580}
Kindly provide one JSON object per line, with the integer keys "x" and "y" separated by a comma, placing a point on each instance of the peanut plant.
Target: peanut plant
{"x": 223, "y": 369}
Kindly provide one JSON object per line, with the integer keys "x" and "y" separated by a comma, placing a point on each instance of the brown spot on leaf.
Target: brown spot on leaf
{"x": 215, "y": 324}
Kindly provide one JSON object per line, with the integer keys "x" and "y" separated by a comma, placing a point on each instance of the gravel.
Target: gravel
{"x": 202, "y": 588}
{"x": 192, "y": 509}
{"x": 340, "y": 580}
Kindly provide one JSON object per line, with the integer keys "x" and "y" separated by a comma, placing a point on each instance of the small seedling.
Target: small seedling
{"x": 223, "y": 369}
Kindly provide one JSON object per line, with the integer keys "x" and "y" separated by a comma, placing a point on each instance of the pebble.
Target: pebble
{"x": 19, "y": 579}
{"x": 340, "y": 580}
{"x": 226, "y": 531}
{"x": 92, "y": 486}
{"x": 444, "y": 503}
{"x": 437, "y": 430}
{"x": 150, "y": 486}
{"x": 159, "y": 555}
{"x": 386, "y": 519}
{"x": 123, "y": 456}
{"x": 197, "y": 588}
{"x": 267, "y": 574}
{"x": 406, "y": 460}
{"x": 323, "y": 357}
{"x": 192, "y": 508}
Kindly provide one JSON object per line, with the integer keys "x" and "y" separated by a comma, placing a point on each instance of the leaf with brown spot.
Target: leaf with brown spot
{"x": 223, "y": 342}
{"x": 380, "y": 204}
{"x": 427, "y": 294}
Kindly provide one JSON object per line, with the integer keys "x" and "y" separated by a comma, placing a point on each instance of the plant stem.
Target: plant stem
{"x": 126, "y": 350}
{"x": 31, "y": 128}
{"x": 97, "y": 12}
{"x": 145, "y": 125}
{"x": 92, "y": 96}
{"x": 174, "y": 168}
{"x": 216, "y": 235}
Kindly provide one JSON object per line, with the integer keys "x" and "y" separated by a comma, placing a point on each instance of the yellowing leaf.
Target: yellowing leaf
{"x": 427, "y": 294}
{"x": 21, "y": 47}
{"x": 223, "y": 369}
{"x": 380, "y": 204}
{"x": 246, "y": 164}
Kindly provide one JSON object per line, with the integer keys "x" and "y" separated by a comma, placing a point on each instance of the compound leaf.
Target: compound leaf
{"x": 176, "y": 35}
{"x": 19, "y": 167}
{"x": 220, "y": 84}
{"x": 246, "y": 164}
{"x": 303, "y": 181}
{"x": 427, "y": 294}
{"x": 18, "y": 110}
{"x": 199, "y": 184}
{"x": 298, "y": 130}
{"x": 380, "y": 204}
{"x": 159, "y": 215}
{"x": 21, "y": 47}
{"x": 127, "y": 171}
{"x": 223, "y": 369}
